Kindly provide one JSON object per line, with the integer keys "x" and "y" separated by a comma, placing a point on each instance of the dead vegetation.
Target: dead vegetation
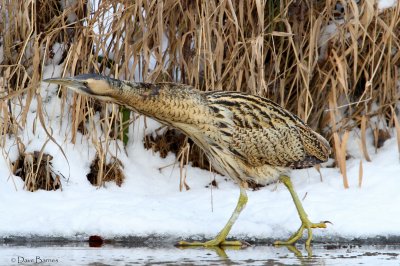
{"x": 36, "y": 170}
{"x": 175, "y": 142}
{"x": 334, "y": 63}
{"x": 102, "y": 172}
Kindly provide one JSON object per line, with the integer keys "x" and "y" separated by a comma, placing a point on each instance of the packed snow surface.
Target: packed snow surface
{"x": 149, "y": 201}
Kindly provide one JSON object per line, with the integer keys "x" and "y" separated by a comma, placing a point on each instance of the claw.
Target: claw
{"x": 296, "y": 236}
{"x": 305, "y": 222}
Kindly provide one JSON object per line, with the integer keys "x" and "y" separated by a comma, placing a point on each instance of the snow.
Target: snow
{"x": 384, "y": 4}
{"x": 150, "y": 203}
{"x": 381, "y": 4}
{"x": 66, "y": 4}
{"x": 333, "y": 28}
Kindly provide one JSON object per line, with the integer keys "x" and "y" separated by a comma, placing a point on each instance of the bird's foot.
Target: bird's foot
{"x": 306, "y": 224}
{"x": 213, "y": 243}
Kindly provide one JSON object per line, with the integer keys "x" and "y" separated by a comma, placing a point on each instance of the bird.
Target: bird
{"x": 244, "y": 136}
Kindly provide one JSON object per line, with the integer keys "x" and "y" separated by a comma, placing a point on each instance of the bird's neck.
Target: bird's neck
{"x": 172, "y": 104}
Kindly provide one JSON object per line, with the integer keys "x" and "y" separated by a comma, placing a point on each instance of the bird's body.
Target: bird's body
{"x": 245, "y": 137}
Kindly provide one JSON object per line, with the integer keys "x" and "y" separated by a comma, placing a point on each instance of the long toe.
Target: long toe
{"x": 293, "y": 238}
{"x": 322, "y": 224}
{"x": 212, "y": 243}
{"x": 299, "y": 233}
{"x": 235, "y": 243}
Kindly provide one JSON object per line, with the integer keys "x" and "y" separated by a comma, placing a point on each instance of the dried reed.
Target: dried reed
{"x": 329, "y": 71}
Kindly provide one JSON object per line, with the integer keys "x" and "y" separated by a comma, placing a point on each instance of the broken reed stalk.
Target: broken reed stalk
{"x": 364, "y": 138}
{"x": 340, "y": 145}
{"x": 397, "y": 127}
{"x": 183, "y": 158}
{"x": 297, "y": 53}
{"x": 360, "y": 174}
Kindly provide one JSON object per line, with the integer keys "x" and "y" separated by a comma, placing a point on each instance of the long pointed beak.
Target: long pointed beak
{"x": 74, "y": 84}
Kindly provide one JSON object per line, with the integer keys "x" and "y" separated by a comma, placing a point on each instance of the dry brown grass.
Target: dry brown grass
{"x": 184, "y": 149}
{"x": 343, "y": 81}
{"x": 176, "y": 142}
{"x": 36, "y": 170}
{"x": 102, "y": 172}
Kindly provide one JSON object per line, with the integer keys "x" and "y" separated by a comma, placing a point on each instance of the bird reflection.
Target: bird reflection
{"x": 221, "y": 252}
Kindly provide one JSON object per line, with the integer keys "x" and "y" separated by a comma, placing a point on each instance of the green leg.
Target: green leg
{"x": 305, "y": 222}
{"x": 219, "y": 240}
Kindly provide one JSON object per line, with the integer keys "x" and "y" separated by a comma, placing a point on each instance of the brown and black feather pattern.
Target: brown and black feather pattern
{"x": 263, "y": 133}
{"x": 246, "y": 137}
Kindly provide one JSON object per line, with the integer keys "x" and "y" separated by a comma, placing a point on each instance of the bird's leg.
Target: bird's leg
{"x": 219, "y": 240}
{"x": 305, "y": 222}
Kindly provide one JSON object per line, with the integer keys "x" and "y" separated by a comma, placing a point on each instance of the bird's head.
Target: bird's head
{"x": 97, "y": 86}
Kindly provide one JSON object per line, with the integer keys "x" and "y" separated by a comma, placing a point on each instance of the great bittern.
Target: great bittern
{"x": 245, "y": 137}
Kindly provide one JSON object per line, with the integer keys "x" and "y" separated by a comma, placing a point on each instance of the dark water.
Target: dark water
{"x": 112, "y": 254}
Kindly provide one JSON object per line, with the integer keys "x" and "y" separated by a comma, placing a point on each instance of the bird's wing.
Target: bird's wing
{"x": 261, "y": 132}
{"x": 277, "y": 146}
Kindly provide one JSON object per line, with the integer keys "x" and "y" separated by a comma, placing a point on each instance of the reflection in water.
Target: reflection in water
{"x": 302, "y": 259}
{"x": 220, "y": 251}
{"x": 116, "y": 254}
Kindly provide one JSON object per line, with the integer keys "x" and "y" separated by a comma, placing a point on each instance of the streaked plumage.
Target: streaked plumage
{"x": 246, "y": 137}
